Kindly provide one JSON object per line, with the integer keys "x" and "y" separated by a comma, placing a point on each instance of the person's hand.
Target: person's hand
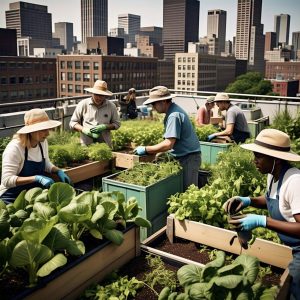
{"x": 88, "y": 132}
{"x": 63, "y": 177}
{"x": 211, "y": 137}
{"x": 98, "y": 128}
{"x": 44, "y": 180}
{"x": 248, "y": 222}
{"x": 236, "y": 204}
{"x": 140, "y": 150}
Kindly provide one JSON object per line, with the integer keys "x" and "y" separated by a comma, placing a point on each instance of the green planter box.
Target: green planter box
{"x": 152, "y": 198}
{"x": 258, "y": 125}
{"x": 209, "y": 151}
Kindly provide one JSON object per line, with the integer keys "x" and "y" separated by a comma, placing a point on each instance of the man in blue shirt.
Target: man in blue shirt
{"x": 180, "y": 138}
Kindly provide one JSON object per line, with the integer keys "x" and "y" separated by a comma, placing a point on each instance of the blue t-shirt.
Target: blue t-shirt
{"x": 178, "y": 125}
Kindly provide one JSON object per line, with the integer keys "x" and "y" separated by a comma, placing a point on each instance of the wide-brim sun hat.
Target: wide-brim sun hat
{"x": 274, "y": 143}
{"x": 158, "y": 93}
{"x": 37, "y": 119}
{"x": 131, "y": 90}
{"x": 99, "y": 88}
{"x": 210, "y": 99}
{"x": 221, "y": 97}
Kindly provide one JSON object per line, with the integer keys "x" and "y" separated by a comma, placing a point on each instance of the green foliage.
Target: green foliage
{"x": 204, "y": 131}
{"x": 63, "y": 138}
{"x": 250, "y": 83}
{"x": 77, "y": 152}
{"x": 282, "y": 120}
{"x": 59, "y": 156}
{"x": 99, "y": 152}
{"x": 145, "y": 174}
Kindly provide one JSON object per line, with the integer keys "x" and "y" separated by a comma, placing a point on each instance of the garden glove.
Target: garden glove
{"x": 140, "y": 150}
{"x": 236, "y": 204}
{"x": 211, "y": 137}
{"x": 248, "y": 222}
{"x": 44, "y": 180}
{"x": 88, "y": 132}
{"x": 99, "y": 128}
{"x": 63, "y": 177}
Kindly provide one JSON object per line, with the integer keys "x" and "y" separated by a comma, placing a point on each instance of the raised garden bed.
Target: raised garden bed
{"x": 209, "y": 151}
{"x": 70, "y": 281}
{"x": 126, "y": 159}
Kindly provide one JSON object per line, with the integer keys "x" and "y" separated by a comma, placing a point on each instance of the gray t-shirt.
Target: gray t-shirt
{"x": 235, "y": 116}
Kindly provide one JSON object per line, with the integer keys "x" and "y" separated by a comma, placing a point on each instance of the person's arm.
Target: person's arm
{"x": 76, "y": 118}
{"x": 259, "y": 202}
{"x": 288, "y": 228}
{"x": 227, "y": 131}
{"x": 115, "y": 120}
{"x": 200, "y": 116}
{"x": 164, "y": 146}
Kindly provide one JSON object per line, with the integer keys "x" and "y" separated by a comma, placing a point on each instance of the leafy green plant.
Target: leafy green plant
{"x": 145, "y": 174}
{"x": 77, "y": 152}
{"x": 59, "y": 155}
{"x": 63, "y": 138}
{"x": 204, "y": 131}
{"x": 99, "y": 152}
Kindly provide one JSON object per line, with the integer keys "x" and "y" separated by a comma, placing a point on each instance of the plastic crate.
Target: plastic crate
{"x": 152, "y": 198}
{"x": 209, "y": 151}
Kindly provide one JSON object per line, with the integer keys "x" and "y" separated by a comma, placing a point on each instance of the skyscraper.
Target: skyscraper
{"x": 296, "y": 40}
{"x": 131, "y": 24}
{"x": 216, "y": 24}
{"x": 64, "y": 31}
{"x": 180, "y": 25}
{"x": 250, "y": 40}
{"x": 94, "y": 18}
{"x": 270, "y": 41}
{"x": 30, "y": 20}
{"x": 282, "y": 28}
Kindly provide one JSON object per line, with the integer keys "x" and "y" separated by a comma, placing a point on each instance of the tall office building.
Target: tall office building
{"x": 64, "y": 31}
{"x": 30, "y": 20}
{"x": 131, "y": 24}
{"x": 282, "y": 28}
{"x": 250, "y": 39}
{"x": 94, "y": 18}
{"x": 270, "y": 41}
{"x": 216, "y": 24}
{"x": 180, "y": 25}
{"x": 296, "y": 40}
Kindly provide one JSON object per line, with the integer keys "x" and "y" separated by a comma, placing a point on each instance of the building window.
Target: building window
{"x": 13, "y": 80}
{"x": 86, "y": 65}
{"x": 3, "y": 80}
{"x": 77, "y": 64}
{"x": 63, "y": 87}
{"x": 179, "y": 67}
{"x": 70, "y": 76}
{"x": 179, "y": 59}
{"x": 62, "y": 64}
{"x": 77, "y": 77}
{"x": 69, "y": 64}
{"x": 77, "y": 89}
{"x": 44, "y": 92}
{"x": 70, "y": 88}
{"x": 96, "y": 65}
{"x": 62, "y": 76}
{"x": 96, "y": 77}
{"x": 86, "y": 77}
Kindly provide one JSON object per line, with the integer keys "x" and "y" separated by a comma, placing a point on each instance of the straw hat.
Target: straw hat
{"x": 99, "y": 88}
{"x": 37, "y": 119}
{"x": 221, "y": 97}
{"x": 275, "y": 143}
{"x": 210, "y": 99}
{"x": 158, "y": 93}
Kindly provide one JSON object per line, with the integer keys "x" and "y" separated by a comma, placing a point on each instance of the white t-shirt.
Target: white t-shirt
{"x": 289, "y": 195}
{"x": 13, "y": 160}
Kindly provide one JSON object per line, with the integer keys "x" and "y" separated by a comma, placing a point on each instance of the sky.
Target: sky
{"x": 151, "y": 12}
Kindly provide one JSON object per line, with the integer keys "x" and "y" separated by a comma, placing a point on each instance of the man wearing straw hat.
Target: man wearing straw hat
{"x": 272, "y": 153}
{"x": 179, "y": 137}
{"x": 94, "y": 117}
{"x": 236, "y": 124}
{"x": 25, "y": 159}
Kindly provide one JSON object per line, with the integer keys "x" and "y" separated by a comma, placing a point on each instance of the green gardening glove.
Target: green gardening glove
{"x": 88, "y": 132}
{"x": 98, "y": 128}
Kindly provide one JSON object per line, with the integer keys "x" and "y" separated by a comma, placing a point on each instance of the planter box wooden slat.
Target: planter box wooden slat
{"x": 127, "y": 161}
{"x": 70, "y": 284}
{"x": 219, "y": 238}
{"x": 171, "y": 230}
{"x": 152, "y": 199}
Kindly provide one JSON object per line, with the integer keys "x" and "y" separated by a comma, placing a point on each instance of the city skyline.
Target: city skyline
{"x": 152, "y": 14}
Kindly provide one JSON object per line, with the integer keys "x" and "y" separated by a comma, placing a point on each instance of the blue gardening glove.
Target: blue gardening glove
{"x": 140, "y": 150}
{"x": 63, "y": 177}
{"x": 88, "y": 132}
{"x": 236, "y": 204}
{"x": 248, "y": 222}
{"x": 98, "y": 128}
{"x": 211, "y": 137}
{"x": 44, "y": 180}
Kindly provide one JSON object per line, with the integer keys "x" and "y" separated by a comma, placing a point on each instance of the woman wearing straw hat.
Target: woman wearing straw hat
{"x": 25, "y": 159}
{"x": 128, "y": 105}
{"x": 271, "y": 156}
{"x": 94, "y": 117}
{"x": 179, "y": 138}
{"x": 236, "y": 124}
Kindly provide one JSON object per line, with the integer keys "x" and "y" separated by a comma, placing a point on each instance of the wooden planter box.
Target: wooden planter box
{"x": 267, "y": 252}
{"x": 88, "y": 170}
{"x": 127, "y": 161}
{"x": 152, "y": 198}
{"x": 74, "y": 278}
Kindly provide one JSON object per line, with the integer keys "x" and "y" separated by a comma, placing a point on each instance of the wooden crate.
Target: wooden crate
{"x": 127, "y": 161}
{"x": 71, "y": 281}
